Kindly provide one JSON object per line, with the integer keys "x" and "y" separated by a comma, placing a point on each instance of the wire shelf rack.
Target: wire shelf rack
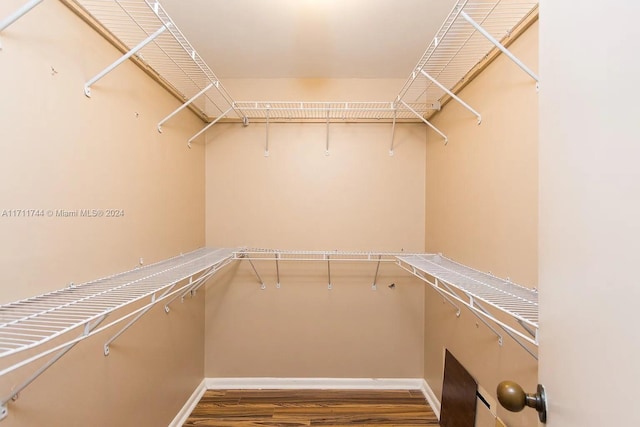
{"x": 515, "y": 300}
{"x": 278, "y": 110}
{"x": 170, "y": 55}
{"x": 458, "y": 47}
{"x": 34, "y": 321}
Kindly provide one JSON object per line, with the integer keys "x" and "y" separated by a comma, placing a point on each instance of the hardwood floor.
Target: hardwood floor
{"x": 326, "y": 408}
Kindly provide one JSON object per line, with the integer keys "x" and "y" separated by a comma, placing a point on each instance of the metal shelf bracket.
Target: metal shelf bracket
{"x": 88, "y": 328}
{"x": 135, "y": 319}
{"x": 266, "y": 144}
{"x": 418, "y": 115}
{"x": 18, "y": 14}
{"x": 91, "y": 82}
{"x": 262, "y": 285}
{"x": 329, "y": 286}
{"x": 393, "y": 131}
{"x": 374, "y": 286}
{"x": 183, "y": 106}
{"x": 499, "y": 45}
{"x": 326, "y": 149}
{"x": 206, "y": 128}
{"x": 452, "y": 95}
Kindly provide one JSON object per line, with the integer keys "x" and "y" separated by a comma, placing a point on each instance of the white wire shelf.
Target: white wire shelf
{"x": 170, "y": 55}
{"x": 515, "y": 300}
{"x": 458, "y": 47}
{"x": 354, "y": 111}
{"x": 34, "y": 321}
{"x": 261, "y": 254}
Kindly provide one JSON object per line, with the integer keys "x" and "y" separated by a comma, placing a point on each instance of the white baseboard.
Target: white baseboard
{"x": 190, "y": 405}
{"x": 431, "y": 397}
{"x": 306, "y": 383}
{"x": 315, "y": 383}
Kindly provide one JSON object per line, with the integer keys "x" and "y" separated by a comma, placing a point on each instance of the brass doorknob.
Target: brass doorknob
{"x": 513, "y": 398}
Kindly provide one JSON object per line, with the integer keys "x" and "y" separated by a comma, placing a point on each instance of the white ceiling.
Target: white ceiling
{"x": 309, "y": 38}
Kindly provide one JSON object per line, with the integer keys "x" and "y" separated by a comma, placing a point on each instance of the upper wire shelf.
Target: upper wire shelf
{"x": 458, "y": 47}
{"x": 34, "y": 321}
{"x": 170, "y": 55}
{"x": 455, "y": 50}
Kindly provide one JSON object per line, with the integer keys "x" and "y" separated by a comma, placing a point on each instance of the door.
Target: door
{"x": 589, "y": 241}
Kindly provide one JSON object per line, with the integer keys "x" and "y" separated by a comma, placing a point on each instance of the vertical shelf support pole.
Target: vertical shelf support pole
{"x": 326, "y": 149}
{"x": 330, "y": 286}
{"x": 418, "y": 115}
{"x": 207, "y": 127}
{"x": 499, "y": 45}
{"x": 18, "y": 14}
{"x": 266, "y": 143}
{"x": 393, "y": 131}
{"x": 183, "y": 106}
{"x": 452, "y": 95}
{"x": 87, "y": 85}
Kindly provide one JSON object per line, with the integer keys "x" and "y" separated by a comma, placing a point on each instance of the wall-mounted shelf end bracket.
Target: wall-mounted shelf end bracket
{"x": 3, "y": 25}
{"x": 418, "y": 115}
{"x": 499, "y": 45}
{"x": 91, "y": 82}
{"x": 206, "y": 128}
{"x": 183, "y": 106}
{"x": 452, "y": 95}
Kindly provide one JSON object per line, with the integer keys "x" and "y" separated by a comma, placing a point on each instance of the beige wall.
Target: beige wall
{"x": 357, "y": 198}
{"x": 481, "y": 210}
{"x": 61, "y": 150}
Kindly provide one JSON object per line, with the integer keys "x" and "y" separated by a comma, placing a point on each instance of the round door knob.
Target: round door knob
{"x": 513, "y": 398}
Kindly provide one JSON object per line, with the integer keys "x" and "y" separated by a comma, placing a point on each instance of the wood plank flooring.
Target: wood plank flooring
{"x": 326, "y": 408}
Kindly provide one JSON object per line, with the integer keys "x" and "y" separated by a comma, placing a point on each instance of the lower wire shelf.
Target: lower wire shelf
{"x": 474, "y": 288}
{"x": 34, "y": 321}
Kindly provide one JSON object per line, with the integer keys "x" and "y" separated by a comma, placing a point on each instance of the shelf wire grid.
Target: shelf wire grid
{"x": 261, "y": 254}
{"x": 515, "y": 300}
{"x": 458, "y": 47}
{"x": 285, "y": 110}
{"x": 170, "y": 55}
{"x": 34, "y": 321}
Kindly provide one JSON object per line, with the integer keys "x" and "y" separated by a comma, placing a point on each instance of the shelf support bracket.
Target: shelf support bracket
{"x": 374, "y": 286}
{"x": 206, "y": 128}
{"x": 183, "y": 106}
{"x": 513, "y": 336}
{"x": 152, "y": 37}
{"x": 134, "y": 320}
{"x": 473, "y": 304}
{"x": 418, "y": 115}
{"x": 444, "y": 295}
{"x": 452, "y": 95}
{"x": 329, "y": 286}
{"x": 18, "y": 14}
{"x": 88, "y": 327}
{"x": 393, "y": 131}
{"x": 277, "y": 271}
{"x": 266, "y": 143}
{"x": 326, "y": 148}
{"x": 262, "y": 285}
{"x": 499, "y": 45}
